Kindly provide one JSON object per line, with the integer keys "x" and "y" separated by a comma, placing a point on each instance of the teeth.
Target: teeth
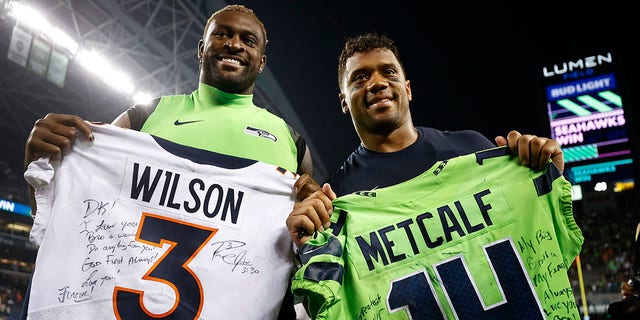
{"x": 234, "y": 61}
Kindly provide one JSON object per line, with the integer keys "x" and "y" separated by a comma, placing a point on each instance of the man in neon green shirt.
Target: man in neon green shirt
{"x": 219, "y": 116}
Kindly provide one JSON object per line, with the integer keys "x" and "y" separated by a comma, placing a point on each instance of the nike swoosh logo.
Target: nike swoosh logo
{"x": 311, "y": 250}
{"x": 179, "y": 123}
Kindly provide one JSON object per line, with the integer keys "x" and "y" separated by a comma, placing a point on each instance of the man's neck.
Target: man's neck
{"x": 396, "y": 140}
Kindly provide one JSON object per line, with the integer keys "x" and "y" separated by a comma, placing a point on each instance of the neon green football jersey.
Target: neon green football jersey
{"x": 474, "y": 237}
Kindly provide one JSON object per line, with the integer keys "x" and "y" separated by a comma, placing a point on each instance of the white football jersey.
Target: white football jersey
{"x": 131, "y": 226}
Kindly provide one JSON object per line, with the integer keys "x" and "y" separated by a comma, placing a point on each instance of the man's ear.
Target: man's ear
{"x": 200, "y": 49}
{"x": 343, "y": 103}
{"x": 408, "y": 88}
{"x": 263, "y": 63}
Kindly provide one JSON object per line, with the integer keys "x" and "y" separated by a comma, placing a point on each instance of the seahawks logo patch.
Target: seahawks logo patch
{"x": 260, "y": 133}
{"x": 440, "y": 167}
{"x": 371, "y": 194}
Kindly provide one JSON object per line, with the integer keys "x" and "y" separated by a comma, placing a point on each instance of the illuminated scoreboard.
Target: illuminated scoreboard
{"x": 586, "y": 117}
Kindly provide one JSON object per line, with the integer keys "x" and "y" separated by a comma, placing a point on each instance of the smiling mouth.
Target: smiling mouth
{"x": 380, "y": 102}
{"x": 231, "y": 61}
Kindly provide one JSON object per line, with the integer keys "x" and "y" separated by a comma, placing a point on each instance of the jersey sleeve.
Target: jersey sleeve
{"x": 301, "y": 147}
{"x": 568, "y": 233}
{"x": 320, "y": 277}
{"x": 39, "y": 174}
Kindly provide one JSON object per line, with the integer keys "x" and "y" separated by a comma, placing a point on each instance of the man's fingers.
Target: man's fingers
{"x": 541, "y": 150}
{"x": 79, "y": 124}
{"x": 553, "y": 151}
{"x": 534, "y": 151}
{"x": 317, "y": 212}
{"x": 536, "y": 156}
{"x": 307, "y": 217}
{"x": 300, "y": 228}
{"x": 326, "y": 188}
{"x": 313, "y": 210}
{"x": 54, "y": 135}
{"x": 524, "y": 150}
{"x": 512, "y": 140}
{"x": 305, "y": 186}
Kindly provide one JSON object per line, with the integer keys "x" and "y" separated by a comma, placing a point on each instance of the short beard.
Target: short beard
{"x": 236, "y": 84}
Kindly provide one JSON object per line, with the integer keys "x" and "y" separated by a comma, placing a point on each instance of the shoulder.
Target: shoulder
{"x": 465, "y": 140}
{"x": 452, "y": 133}
{"x": 139, "y": 113}
{"x": 266, "y": 113}
{"x": 356, "y": 164}
{"x": 303, "y": 153}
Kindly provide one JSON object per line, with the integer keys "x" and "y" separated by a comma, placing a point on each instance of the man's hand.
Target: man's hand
{"x": 305, "y": 186}
{"x": 532, "y": 150}
{"x": 54, "y": 135}
{"x": 311, "y": 214}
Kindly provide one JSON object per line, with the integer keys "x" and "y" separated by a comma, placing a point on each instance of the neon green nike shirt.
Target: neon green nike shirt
{"x": 227, "y": 123}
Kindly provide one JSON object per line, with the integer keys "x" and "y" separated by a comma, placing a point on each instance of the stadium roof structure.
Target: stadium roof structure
{"x": 153, "y": 42}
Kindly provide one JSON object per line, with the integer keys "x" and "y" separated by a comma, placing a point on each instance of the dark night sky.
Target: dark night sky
{"x": 472, "y": 65}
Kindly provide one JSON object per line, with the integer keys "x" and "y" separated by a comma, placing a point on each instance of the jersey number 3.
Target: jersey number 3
{"x": 185, "y": 241}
